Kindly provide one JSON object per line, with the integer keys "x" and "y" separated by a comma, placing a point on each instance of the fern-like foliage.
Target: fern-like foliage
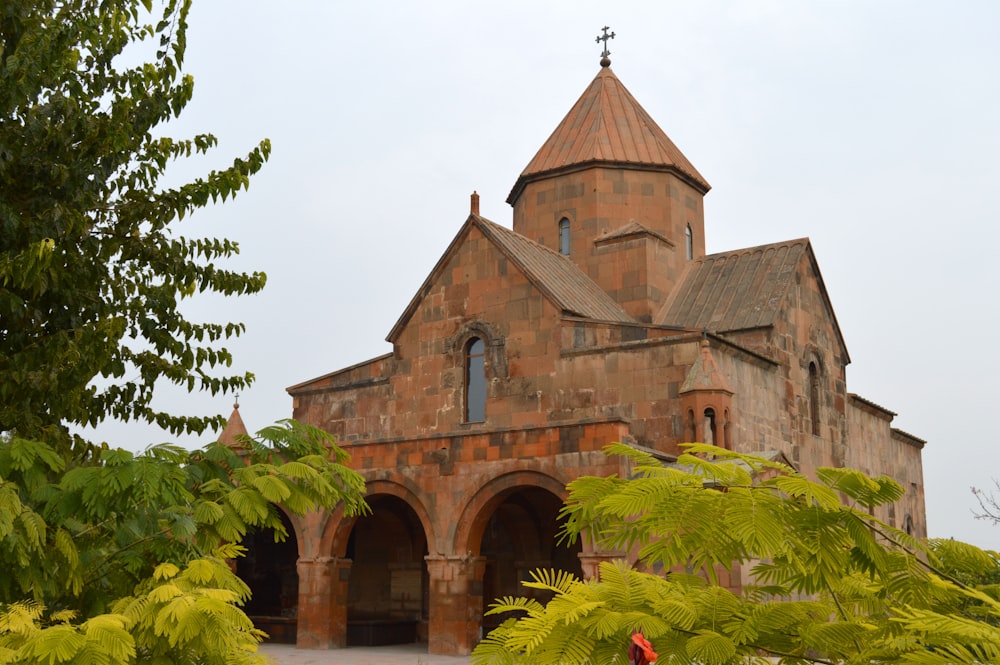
{"x": 119, "y": 557}
{"x": 828, "y": 583}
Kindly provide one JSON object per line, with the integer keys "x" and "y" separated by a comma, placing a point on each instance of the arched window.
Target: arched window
{"x": 564, "y": 236}
{"x": 814, "y": 398}
{"x": 475, "y": 381}
{"x": 710, "y": 433}
{"x": 689, "y": 242}
{"x": 727, "y": 442}
{"x": 692, "y": 428}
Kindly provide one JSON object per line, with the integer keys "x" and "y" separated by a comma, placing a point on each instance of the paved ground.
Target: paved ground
{"x": 402, "y": 654}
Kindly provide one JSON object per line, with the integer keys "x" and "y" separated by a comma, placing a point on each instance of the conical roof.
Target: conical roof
{"x": 705, "y": 374}
{"x": 607, "y": 126}
{"x": 234, "y": 428}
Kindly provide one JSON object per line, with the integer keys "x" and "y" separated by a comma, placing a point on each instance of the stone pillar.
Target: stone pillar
{"x": 590, "y": 562}
{"x": 322, "y": 614}
{"x": 456, "y": 603}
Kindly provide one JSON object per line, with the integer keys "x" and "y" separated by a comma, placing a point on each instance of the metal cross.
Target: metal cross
{"x": 604, "y": 38}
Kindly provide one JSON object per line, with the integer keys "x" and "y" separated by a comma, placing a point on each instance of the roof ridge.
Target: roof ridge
{"x": 755, "y": 248}
{"x": 556, "y": 275}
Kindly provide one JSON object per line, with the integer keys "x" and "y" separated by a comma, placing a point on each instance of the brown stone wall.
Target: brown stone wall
{"x": 610, "y": 374}
{"x": 443, "y": 478}
{"x": 632, "y": 271}
{"x": 877, "y": 450}
{"x": 758, "y": 423}
{"x": 805, "y": 332}
{"x": 419, "y": 391}
{"x": 599, "y": 200}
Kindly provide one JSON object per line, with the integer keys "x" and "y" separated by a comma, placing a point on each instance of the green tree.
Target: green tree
{"x": 122, "y": 559}
{"x": 830, "y": 583}
{"x": 91, "y": 270}
{"x": 110, "y": 556}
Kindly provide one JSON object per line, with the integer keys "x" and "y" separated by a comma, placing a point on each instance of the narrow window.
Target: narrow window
{"x": 710, "y": 433}
{"x": 814, "y": 398}
{"x": 691, "y": 427}
{"x": 475, "y": 381}
{"x": 564, "y": 236}
{"x": 727, "y": 442}
{"x": 689, "y": 242}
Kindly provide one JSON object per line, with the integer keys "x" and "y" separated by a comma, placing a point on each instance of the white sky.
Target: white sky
{"x": 870, "y": 127}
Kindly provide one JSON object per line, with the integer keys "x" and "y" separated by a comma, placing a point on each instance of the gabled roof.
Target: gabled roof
{"x": 607, "y": 126}
{"x": 553, "y": 274}
{"x": 632, "y": 229}
{"x": 742, "y": 289}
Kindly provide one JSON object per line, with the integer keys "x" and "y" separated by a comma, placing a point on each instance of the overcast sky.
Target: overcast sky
{"x": 870, "y": 127}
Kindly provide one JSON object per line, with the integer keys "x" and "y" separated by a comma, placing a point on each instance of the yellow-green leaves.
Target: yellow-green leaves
{"x": 815, "y": 579}
{"x": 128, "y": 549}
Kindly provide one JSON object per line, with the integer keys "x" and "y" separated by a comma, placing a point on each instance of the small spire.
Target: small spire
{"x": 605, "y": 60}
{"x": 234, "y": 429}
{"x": 474, "y": 204}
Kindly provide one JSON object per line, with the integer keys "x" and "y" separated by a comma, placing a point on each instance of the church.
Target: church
{"x": 596, "y": 317}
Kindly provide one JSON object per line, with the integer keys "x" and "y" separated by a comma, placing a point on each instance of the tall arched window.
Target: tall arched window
{"x": 564, "y": 236}
{"x": 711, "y": 433}
{"x": 475, "y": 381}
{"x": 689, "y": 242}
{"x": 814, "y": 397}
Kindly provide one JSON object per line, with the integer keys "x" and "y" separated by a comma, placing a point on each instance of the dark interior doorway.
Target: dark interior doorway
{"x": 520, "y": 537}
{"x": 269, "y": 569}
{"x": 388, "y": 588}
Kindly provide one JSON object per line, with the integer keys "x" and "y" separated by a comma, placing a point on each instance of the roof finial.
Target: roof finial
{"x": 605, "y": 60}
{"x": 474, "y": 204}
{"x": 236, "y": 405}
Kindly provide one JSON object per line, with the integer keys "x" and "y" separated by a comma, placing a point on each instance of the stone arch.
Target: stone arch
{"x": 471, "y": 525}
{"x": 511, "y": 526}
{"x": 496, "y": 349}
{"x": 383, "y": 576}
{"x": 338, "y": 528}
{"x": 811, "y": 354}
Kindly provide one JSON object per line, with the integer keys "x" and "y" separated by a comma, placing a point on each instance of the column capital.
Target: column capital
{"x": 591, "y": 562}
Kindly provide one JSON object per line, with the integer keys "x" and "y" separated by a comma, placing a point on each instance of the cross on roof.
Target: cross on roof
{"x": 604, "y": 38}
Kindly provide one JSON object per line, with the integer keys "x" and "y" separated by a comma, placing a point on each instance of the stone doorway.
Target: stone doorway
{"x": 387, "y": 596}
{"x": 269, "y": 569}
{"x": 520, "y": 536}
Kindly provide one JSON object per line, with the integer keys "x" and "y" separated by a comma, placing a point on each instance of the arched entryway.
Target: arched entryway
{"x": 520, "y": 536}
{"x": 269, "y": 569}
{"x": 388, "y": 588}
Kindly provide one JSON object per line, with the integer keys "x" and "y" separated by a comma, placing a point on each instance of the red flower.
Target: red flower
{"x": 640, "y": 652}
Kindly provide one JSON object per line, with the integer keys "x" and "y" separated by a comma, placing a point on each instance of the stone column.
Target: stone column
{"x": 322, "y": 614}
{"x": 591, "y": 561}
{"x": 456, "y": 603}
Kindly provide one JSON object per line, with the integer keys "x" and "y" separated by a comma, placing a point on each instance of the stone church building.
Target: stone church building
{"x": 598, "y": 317}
